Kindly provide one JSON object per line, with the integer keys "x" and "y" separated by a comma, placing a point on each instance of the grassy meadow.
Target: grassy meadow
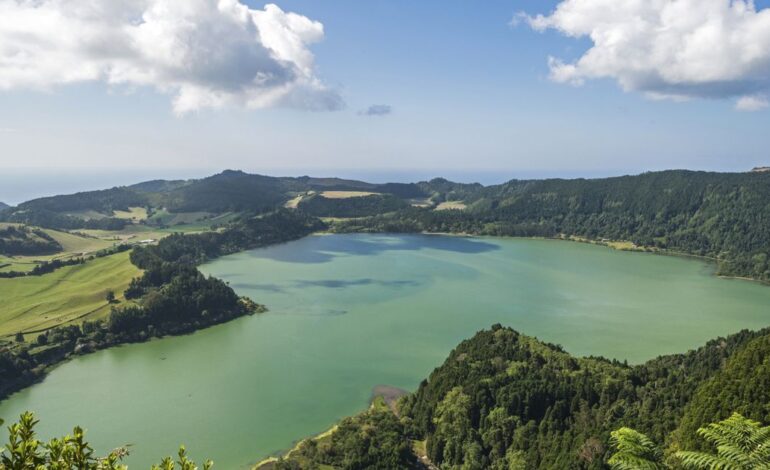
{"x": 450, "y": 205}
{"x": 71, "y": 294}
{"x": 73, "y": 245}
{"x": 133, "y": 213}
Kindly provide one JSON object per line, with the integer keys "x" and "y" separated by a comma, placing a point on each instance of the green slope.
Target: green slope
{"x": 70, "y": 294}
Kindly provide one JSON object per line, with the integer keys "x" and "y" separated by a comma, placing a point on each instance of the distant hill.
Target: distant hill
{"x": 157, "y": 186}
{"x": 3, "y": 206}
{"x": 105, "y": 201}
{"x": 718, "y": 215}
{"x": 229, "y": 191}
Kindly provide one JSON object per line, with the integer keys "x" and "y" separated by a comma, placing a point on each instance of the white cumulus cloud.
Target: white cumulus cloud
{"x": 206, "y": 53}
{"x": 752, "y": 103}
{"x": 678, "y": 49}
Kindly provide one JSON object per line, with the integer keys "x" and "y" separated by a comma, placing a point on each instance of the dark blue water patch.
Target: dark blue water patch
{"x": 323, "y": 249}
{"x": 344, "y": 283}
{"x": 261, "y": 287}
{"x": 315, "y": 313}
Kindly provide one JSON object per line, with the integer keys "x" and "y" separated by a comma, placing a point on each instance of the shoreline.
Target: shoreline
{"x": 39, "y": 375}
{"x": 567, "y": 238}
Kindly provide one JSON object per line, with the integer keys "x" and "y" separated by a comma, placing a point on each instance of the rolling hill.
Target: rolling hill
{"x": 716, "y": 215}
{"x": 229, "y": 191}
{"x": 71, "y": 294}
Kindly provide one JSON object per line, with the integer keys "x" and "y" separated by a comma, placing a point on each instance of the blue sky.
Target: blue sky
{"x": 470, "y": 96}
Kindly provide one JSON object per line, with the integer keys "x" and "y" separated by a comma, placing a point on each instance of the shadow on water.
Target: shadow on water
{"x": 341, "y": 284}
{"x": 324, "y": 283}
{"x": 261, "y": 287}
{"x": 322, "y": 249}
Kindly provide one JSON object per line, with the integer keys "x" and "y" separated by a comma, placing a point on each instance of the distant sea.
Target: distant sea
{"x": 22, "y": 184}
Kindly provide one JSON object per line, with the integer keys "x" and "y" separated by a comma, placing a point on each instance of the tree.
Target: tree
{"x": 635, "y": 451}
{"x": 19, "y": 337}
{"x": 183, "y": 462}
{"x": 110, "y": 297}
{"x": 740, "y": 443}
{"x": 25, "y": 452}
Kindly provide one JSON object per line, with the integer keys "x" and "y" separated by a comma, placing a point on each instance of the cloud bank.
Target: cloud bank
{"x": 377, "y": 110}
{"x": 206, "y": 53}
{"x": 671, "y": 49}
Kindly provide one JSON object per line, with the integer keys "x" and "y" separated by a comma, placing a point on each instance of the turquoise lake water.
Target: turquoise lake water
{"x": 350, "y": 312}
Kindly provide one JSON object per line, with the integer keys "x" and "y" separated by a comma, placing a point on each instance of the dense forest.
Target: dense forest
{"x": 26, "y": 241}
{"x": 718, "y": 215}
{"x": 363, "y": 206}
{"x": 503, "y": 400}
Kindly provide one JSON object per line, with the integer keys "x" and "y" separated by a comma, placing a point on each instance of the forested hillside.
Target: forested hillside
{"x": 723, "y": 216}
{"x": 718, "y": 215}
{"x": 503, "y": 400}
{"x": 104, "y": 201}
{"x": 320, "y": 206}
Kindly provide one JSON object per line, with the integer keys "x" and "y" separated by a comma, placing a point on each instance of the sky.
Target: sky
{"x": 493, "y": 90}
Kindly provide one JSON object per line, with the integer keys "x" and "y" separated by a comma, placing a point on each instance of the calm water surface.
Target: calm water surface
{"x": 349, "y": 312}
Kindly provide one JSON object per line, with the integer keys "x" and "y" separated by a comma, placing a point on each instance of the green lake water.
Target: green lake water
{"x": 350, "y": 312}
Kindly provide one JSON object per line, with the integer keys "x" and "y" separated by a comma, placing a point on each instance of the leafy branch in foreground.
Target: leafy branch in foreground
{"x": 635, "y": 451}
{"x": 25, "y": 452}
{"x": 184, "y": 463}
{"x": 741, "y": 444}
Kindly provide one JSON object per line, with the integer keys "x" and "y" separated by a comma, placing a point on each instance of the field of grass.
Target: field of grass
{"x": 73, "y": 245}
{"x": 130, "y": 234}
{"x": 71, "y": 294}
{"x": 345, "y": 194}
{"x": 294, "y": 202}
{"x": 420, "y": 202}
{"x": 451, "y": 205}
{"x": 200, "y": 225}
{"x": 77, "y": 244}
{"x": 137, "y": 232}
{"x": 16, "y": 263}
{"x": 163, "y": 217}
{"x": 133, "y": 213}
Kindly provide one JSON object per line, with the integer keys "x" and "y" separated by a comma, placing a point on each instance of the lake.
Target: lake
{"x": 350, "y": 312}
